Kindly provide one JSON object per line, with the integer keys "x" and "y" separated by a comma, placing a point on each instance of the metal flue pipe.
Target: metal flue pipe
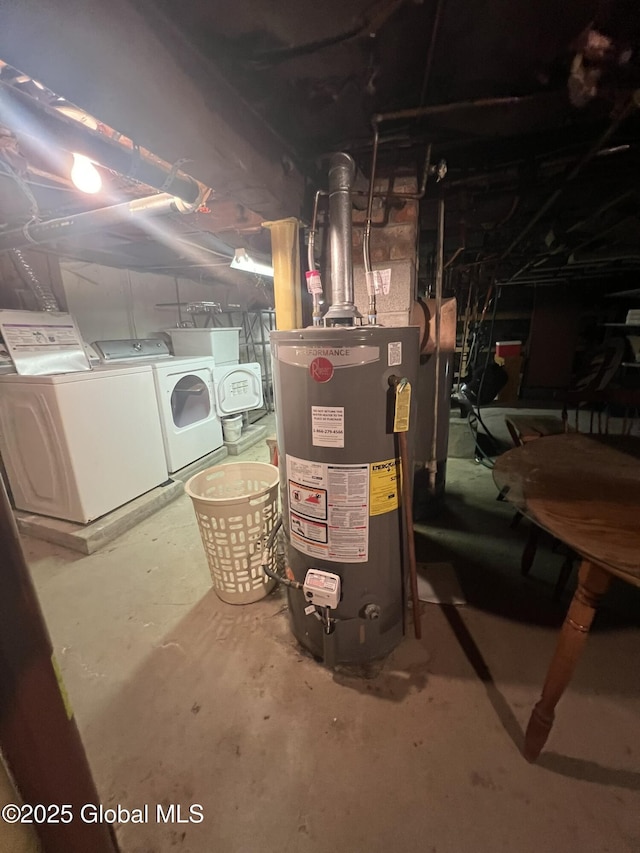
{"x": 92, "y": 220}
{"x": 343, "y": 311}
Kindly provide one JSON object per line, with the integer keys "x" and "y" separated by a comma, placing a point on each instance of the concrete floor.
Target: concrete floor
{"x": 183, "y": 699}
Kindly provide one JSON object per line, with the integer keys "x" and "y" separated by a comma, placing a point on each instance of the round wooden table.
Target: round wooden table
{"x": 584, "y": 490}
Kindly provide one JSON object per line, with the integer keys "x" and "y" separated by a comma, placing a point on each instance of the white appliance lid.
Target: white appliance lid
{"x": 42, "y": 342}
{"x": 98, "y": 372}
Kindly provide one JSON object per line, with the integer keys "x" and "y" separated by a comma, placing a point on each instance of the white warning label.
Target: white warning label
{"x": 394, "y": 353}
{"x": 329, "y": 510}
{"x": 327, "y": 426}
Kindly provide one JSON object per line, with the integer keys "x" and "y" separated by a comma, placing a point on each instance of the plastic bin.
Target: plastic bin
{"x": 222, "y": 343}
{"x": 508, "y": 349}
{"x": 232, "y": 427}
{"x": 236, "y": 506}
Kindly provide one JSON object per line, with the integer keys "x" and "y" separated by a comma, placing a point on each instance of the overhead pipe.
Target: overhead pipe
{"x": 55, "y": 129}
{"x": 456, "y": 106}
{"x": 343, "y": 311}
{"x": 35, "y": 233}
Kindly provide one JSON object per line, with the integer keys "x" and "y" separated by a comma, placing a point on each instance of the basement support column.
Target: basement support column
{"x": 285, "y": 252}
{"x": 39, "y": 739}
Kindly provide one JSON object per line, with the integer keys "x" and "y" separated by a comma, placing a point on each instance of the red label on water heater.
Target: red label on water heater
{"x": 321, "y": 369}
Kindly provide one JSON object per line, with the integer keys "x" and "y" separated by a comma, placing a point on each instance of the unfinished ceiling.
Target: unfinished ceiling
{"x": 541, "y": 141}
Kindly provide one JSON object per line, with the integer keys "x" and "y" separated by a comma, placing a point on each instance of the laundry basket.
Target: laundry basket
{"x": 236, "y": 507}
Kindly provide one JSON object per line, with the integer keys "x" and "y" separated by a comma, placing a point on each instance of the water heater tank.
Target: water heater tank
{"x": 340, "y": 484}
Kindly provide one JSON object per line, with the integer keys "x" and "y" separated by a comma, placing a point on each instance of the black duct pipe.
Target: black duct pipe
{"x": 32, "y": 119}
{"x": 91, "y": 220}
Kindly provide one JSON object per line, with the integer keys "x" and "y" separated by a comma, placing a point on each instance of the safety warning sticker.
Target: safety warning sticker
{"x": 384, "y": 485}
{"x": 329, "y": 510}
{"x": 327, "y": 426}
{"x": 309, "y": 530}
{"x": 308, "y": 500}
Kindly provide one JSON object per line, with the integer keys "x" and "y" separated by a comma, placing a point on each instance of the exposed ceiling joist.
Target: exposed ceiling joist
{"x": 140, "y": 75}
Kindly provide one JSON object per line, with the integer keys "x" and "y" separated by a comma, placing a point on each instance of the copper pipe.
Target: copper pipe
{"x": 366, "y": 240}
{"x": 39, "y": 738}
{"x": 407, "y": 480}
{"x": 433, "y": 461}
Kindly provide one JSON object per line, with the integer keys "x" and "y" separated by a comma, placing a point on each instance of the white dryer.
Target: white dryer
{"x": 185, "y": 400}
{"x": 189, "y": 420}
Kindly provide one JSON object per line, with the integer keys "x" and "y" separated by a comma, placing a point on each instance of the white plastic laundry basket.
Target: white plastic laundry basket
{"x": 236, "y": 506}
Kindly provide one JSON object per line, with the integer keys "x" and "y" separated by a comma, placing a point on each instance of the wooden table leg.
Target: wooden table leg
{"x": 529, "y": 552}
{"x": 593, "y": 582}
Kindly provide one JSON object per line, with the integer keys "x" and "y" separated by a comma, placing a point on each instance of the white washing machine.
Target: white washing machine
{"x": 78, "y": 445}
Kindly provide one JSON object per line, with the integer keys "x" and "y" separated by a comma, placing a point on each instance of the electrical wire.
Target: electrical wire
{"x": 481, "y": 456}
{"x": 494, "y": 312}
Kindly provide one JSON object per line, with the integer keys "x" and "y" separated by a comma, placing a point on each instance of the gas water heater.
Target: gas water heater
{"x": 335, "y": 387}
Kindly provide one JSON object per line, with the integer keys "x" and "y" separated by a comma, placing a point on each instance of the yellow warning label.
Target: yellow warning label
{"x": 63, "y": 689}
{"x": 403, "y": 408}
{"x": 384, "y": 486}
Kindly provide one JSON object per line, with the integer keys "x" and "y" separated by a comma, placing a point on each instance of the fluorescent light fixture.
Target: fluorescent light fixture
{"x": 85, "y": 176}
{"x": 242, "y": 261}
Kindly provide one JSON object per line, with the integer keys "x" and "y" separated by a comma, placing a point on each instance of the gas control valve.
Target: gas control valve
{"x": 322, "y": 588}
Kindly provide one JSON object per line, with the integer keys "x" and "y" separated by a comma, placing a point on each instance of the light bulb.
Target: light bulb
{"x": 84, "y": 175}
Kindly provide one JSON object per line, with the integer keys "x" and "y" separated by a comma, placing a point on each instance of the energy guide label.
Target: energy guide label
{"x": 329, "y": 510}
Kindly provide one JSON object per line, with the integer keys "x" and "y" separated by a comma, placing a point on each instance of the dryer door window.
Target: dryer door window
{"x": 190, "y": 401}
